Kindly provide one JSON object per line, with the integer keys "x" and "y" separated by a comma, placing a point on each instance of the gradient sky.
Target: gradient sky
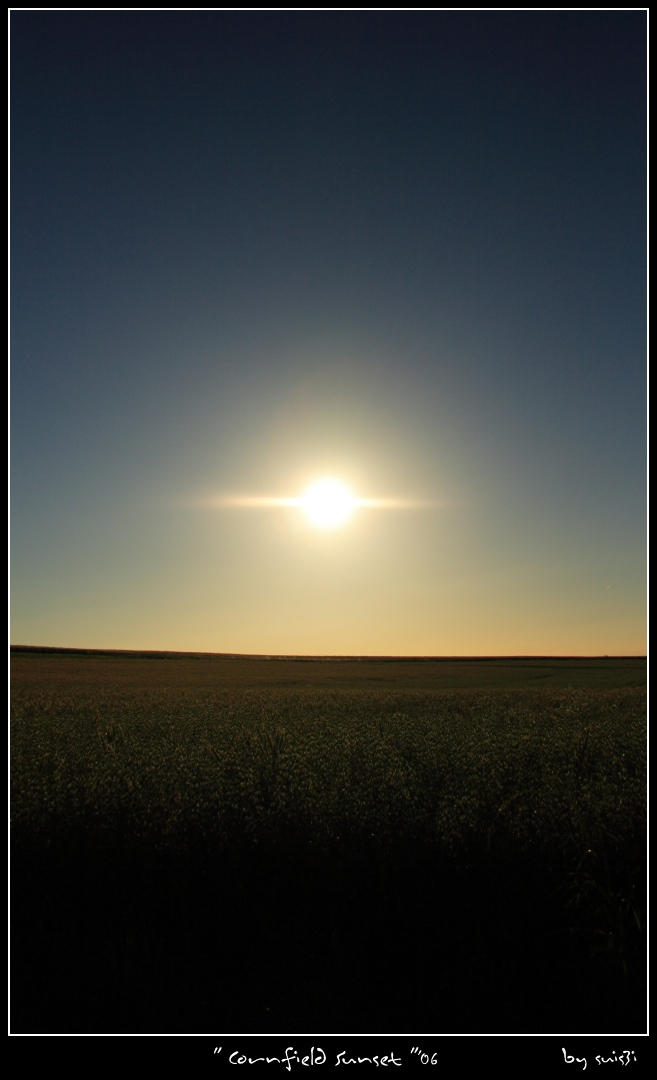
{"x": 407, "y": 250}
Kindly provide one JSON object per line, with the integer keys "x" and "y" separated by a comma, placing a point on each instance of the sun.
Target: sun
{"x": 328, "y": 503}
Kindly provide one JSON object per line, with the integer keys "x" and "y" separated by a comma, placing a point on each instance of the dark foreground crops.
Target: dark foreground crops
{"x": 343, "y": 860}
{"x": 276, "y": 939}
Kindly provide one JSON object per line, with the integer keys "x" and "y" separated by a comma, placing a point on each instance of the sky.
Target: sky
{"x": 249, "y": 250}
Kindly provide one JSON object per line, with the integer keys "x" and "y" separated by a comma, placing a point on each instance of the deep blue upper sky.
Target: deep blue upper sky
{"x": 247, "y": 246}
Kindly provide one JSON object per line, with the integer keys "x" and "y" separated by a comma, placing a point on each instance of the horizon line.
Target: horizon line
{"x": 100, "y": 650}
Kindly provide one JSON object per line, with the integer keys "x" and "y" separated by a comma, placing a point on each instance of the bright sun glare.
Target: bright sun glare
{"x": 328, "y": 503}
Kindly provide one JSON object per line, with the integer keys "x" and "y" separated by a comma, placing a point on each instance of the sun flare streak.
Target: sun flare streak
{"x": 327, "y": 503}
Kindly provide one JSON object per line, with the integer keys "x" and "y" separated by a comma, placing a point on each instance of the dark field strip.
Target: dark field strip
{"x": 241, "y": 855}
{"x": 30, "y": 666}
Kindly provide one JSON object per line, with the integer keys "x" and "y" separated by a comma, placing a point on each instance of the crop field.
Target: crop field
{"x": 203, "y": 844}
